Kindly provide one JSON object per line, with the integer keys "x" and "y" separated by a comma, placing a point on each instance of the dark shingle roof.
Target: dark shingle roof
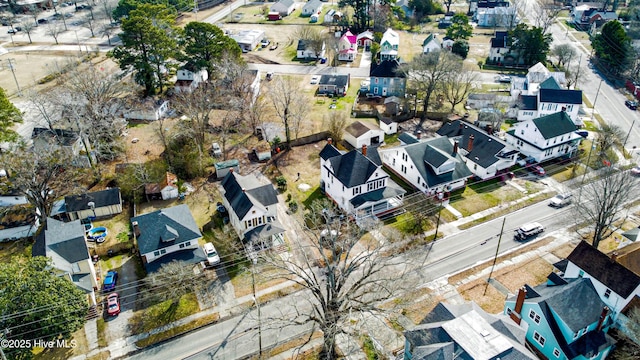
{"x": 529, "y": 102}
{"x": 188, "y": 256}
{"x": 386, "y": 68}
{"x": 359, "y": 128}
{"x": 555, "y": 124}
{"x": 155, "y": 226}
{"x": 499, "y": 40}
{"x": 610, "y": 273}
{"x": 561, "y": 96}
{"x": 407, "y": 138}
{"x": 550, "y": 83}
{"x": 302, "y": 45}
{"x": 352, "y": 168}
{"x": 335, "y": 80}
{"x": 65, "y": 239}
{"x": 329, "y": 151}
{"x": 243, "y": 192}
{"x": 485, "y": 147}
{"x": 417, "y": 152}
{"x": 99, "y": 198}
{"x": 63, "y": 137}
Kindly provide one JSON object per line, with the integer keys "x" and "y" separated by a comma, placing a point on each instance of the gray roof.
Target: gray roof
{"x": 359, "y": 128}
{"x": 485, "y": 149}
{"x": 352, "y": 168}
{"x": 63, "y": 137}
{"x": 286, "y": 3}
{"x": 334, "y": 80}
{"x": 99, "y": 198}
{"x": 386, "y": 69}
{"x": 187, "y": 256}
{"x": 243, "y": 192}
{"x": 263, "y": 232}
{"x": 390, "y": 191}
{"x": 550, "y": 83}
{"x": 561, "y": 96}
{"x": 312, "y": 4}
{"x": 632, "y": 234}
{"x": 420, "y": 154}
{"x": 555, "y": 124}
{"x": 66, "y": 240}
{"x": 175, "y": 224}
{"x": 407, "y": 138}
{"x": 529, "y": 102}
{"x": 329, "y": 151}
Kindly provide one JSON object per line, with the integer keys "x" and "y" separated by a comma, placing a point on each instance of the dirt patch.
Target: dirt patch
{"x": 486, "y": 296}
{"x": 532, "y": 273}
{"x": 563, "y": 251}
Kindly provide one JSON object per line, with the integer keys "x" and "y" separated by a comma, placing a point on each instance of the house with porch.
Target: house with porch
{"x": 389, "y": 45}
{"x": 365, "y": 39}
{"x": 252, "y": 206}
{"x": 334, "y": 85}
{"x": 357, "y": 184}
{"x": 360, "y": 133}
{"x": 97, "y": 204}
{"x": 545, "y": 138}
{"x": 387, "y": 79}
{"x": 347, "y": 47}
{"x": 188, "y": 78}
{"x": 65, "y": 244}
{"x": 563, "y": 319}
{"x": 307, "y": 50}
{"x": 433, "y": 166}
{"x": 485, "y": 155}
{"x": 166, "y": 235}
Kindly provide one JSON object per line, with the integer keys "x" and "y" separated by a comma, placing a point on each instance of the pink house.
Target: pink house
{"x": 347, "y": 47}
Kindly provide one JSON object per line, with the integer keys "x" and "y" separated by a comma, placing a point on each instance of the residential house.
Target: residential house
{"x": 499, "y": 16}
{"x": 406, "y": 7}
{"x": 165, "y": 190}
{"x": 545, "y": 138}
{"x": 537, "y": 75}
{"x": 224, "y": 167}
{"x": 306, "y": 50}
{"x": 188, "y": 78}
{"x": 148, "y": 110}
{"x": 312, "y": 7}
{"x": 550, "y": 100}
{"x": 389, "y": 126}
{"x": 248, "y": 39}
{"x": 93, "y": 205}
{"x": 596, "y": 17}
{"x": 360, "y": 133}
{"x": 485, "y": 155}
{"x": 474, "y": 5}
{"x": 335, "y": 85}
{"x": 447, "y": 43}
{"x": 563, "y": 319}
{"x": 166, "y": 235}
{"x": 446, "y": 20}
{"x": 65, "y": 244}
{"x": 389, "y": 45}
{"x": 387, "y": 79}
{"x": 347, "y": 47}
{"x": 431, "y": 43}
{"x": 483, "y": 101}
{"x": 18, "y": 221}
{"x": 465, "y": 331}
{"x": 407, "y": 138}
{"x": 252, "y": 207}
{"x": 357, "y": 184}
{"x": 69, "y": 142}
{"x": 283, "y": 7}
{"x": 365, "y": 39}
{"x": 332, "y": 16}
{"x": 432, "y": 166}
{"x": 500, "y": 52}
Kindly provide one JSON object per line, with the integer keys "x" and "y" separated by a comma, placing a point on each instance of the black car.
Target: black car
{"x": 42, "y": 21}
{"x": 633, "y": 105}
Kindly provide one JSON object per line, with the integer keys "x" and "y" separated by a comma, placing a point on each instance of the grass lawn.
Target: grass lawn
{"x": 265, "y": 277}
{"x": 56, "y": 353}
{"x": 483, "y": 195}
{"x": 568, "y": 172}
{"x": 163, "y": 313}
{"x": 590, "y": 126}
{"x": 493, "y": 88}
{"x": 533, "y": 272}
{"x": 508, "y": 210}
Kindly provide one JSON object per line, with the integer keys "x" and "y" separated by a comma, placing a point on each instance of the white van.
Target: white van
{"x": 528, "y": 230}
{"x": 212, "y": 255}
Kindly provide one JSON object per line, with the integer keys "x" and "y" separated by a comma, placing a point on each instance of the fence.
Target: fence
{"x": 323, "y": 135}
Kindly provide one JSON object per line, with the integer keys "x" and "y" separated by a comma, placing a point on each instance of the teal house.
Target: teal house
{"x": 387, "y": 79}
{"x": 564, "y": 319}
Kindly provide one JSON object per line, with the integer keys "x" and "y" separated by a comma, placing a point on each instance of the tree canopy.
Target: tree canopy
{"x": 460, "y": 27}
{"x": 613, "y": 47}
{"x": 9, "y": 116}
{"x": 39, "y": 304}
{"x": 126, "y": 6}
{"x": 530, "y": 43}
{"x": 204, "y": 43}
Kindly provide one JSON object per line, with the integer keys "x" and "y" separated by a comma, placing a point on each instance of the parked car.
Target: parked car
{"x": 315, "y": 79}
{"x": 109, "y": 283}
{"x": 504, "y": 79}
{"x": 42, "y": 21}
{"x": 14, "y": 30}
{"x": 633, "y": 105}
{"x": 212, "y": 255}
{"x": 561, "y": 200}
{"x": 635, "y": 171}
{"x": 113, "y": 304}
{"x": 265, "y": 42}
{"x": 528, "y": 230}
{"x": 216, "y": 150}
{"x": 583, "y": 133}
{"x": 537, "y": 170}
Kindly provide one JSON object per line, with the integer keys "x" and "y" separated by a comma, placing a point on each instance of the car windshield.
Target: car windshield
{"x": 211, "y": 253}
{"x": 109, "y": 279}
{"x": 113, "y": 306}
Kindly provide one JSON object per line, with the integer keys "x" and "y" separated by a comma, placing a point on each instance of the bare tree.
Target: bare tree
{"x": 574, "y": 75}
{"x": 54, "y": 30}
{"x": 197, "y": 106}
{"x": 457, "y": 87}
{"x": 256, "y": 112}
{"x": 564, "y": 53}
{"x": 544, "y": 15}
{"x": 28, "y": 27}
{"x": 177, "y": 273}
{"x": 34, "y": 11}
{"x": 90, "y": 23}
{"x": 288, "y": 102}
{"x": 336, "y": 121}
{"x": 340, "y": 275}
{"x": 607, "y": 138}
{"x": 48, "y": 105}
{"x": 107, "y": 30}
{"x": 313, "y": 38}
{"x": 602, "y": 202}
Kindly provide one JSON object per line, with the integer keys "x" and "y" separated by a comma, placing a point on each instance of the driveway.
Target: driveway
{"x": 118, "y": 326}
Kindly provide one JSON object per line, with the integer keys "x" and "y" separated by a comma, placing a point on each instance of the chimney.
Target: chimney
{"x": 419, "y": 134}
{"x": 244, "y": 190}
{"x": 329, "y": 141}
{"x": 603, "y": 316}
{"x": 136, "y": 229}
{"x": 231, "y": 170}
{"x": 470, "y": 143}
{"x": 614, "y": 256}
{"x": 489, "y": 129}
{"x": 522, "y": 293}
{"x": 364, "y": 150}
{"x": 455, "y": 148}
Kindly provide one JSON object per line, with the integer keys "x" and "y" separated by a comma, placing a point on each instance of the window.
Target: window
{"x": 376, "y": 80}
{"x": 403, "y": 169}
{"x": 356, "y": 190}
{"x": 556, "y": 353}
{"x": 535, "y": 317}
{"x": 581, "y": 273}
{"x": 375, "y": 184}
{"x": 405, "y": 157}
{"x": 163, "y": 251}
{"x": 156, "y": 253}
{"x": 181, "y": 246}
{"x": 539, "y": 338}
{"x": 607, "y": 293}
{"x": 188, "y": 243}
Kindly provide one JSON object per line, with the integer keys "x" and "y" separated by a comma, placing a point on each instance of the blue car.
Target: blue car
{"x": 110, "y": 280}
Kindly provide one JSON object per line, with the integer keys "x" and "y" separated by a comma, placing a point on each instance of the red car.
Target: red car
{"x": 537, "y": 170}
{"x": 113, "y": 304}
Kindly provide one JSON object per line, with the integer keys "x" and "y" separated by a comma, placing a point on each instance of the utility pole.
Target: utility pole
{"x": 495, "y": 257}
{"x": 255, "y": 299}
{"x": 629, "y": 133}
{"x": 13, "y": 71}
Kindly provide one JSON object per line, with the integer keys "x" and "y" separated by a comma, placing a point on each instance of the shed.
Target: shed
{"x": 274, "y": 16}
{"x": 389, "y": 126}
{"x": 223, "y": 167}
{"x": 362, "y": 133}
{"x": 392, "y": 105}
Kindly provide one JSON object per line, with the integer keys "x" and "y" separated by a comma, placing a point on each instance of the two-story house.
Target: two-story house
{"x": 166, "y": 235}
{"x": 563, "y": 319}
{"x": 68, "y": 141}
{"x": 389, "y": 45}
{"x": 387, "y": 79}
{"x": 546, "y": 137}
{"x": 484, "y": 154}
{"x": 499, "y": 51}
{"x": 357, "y": 184}
{"x": 433, "y": 166}
{"x": 252, "y": 207}
{"x": 431, "y": 43}
{"x": 189, "y": 78}
{"x": 465, "y": 331}
{"x": 347, "y": 47}
{"x": 65, "y": 244}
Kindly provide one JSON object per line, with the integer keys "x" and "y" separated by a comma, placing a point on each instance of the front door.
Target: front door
{"x": 384, "y": 91}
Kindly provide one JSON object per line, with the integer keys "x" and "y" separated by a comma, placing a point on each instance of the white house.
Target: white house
{"x": 431, "y": 43}
{"x": 165, "y": 190}
{"x": 306, "y": 51}
{"x": 447, "y": 43}
{"x": 430, "y": 166}
{"x": 546, "y": 137}
{"x": 500, "y": 16}
{"x": 95, "y": 204}
{"x": 65, "y": 244}
{"x": 248, "y": 39}
{"x": 538, "y": 77}
{"x": 361, "y": 133}
{"x": 389, "y": 45}
{"x": 347, "y": 47}
{"x": 499, "y": 51}
{"x": 284, "y": 7}
{"x": 70, "y": 142}
{"x": 312, "y": 7}
{"x": 389, "y": 126}
{"x": 166, "y": 235}
{"x": 252, "y": 207}
{"x": 485, "y": 155}
{"x": 148, "y": 110}
{"x": 357, "y": 184}
{"x": 188, "y": 78}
